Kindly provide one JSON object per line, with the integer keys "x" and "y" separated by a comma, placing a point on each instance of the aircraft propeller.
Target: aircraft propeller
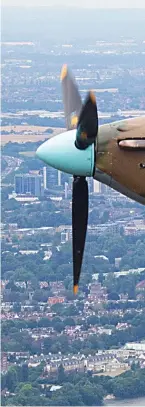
{"x": 84, "y": 118}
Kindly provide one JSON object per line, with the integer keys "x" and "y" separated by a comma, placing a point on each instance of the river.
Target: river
{"x": 126, "y": 403}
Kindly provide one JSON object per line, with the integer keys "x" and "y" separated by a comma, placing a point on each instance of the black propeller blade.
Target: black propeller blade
{"x": 85, "y": 119}
{"x": 79, "y": 225}
{"x": 87, "y": 128}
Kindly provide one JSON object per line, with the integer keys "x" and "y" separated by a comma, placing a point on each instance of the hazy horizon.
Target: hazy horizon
{"x": 36, "y": 24}
{"x": 97, "y": 4}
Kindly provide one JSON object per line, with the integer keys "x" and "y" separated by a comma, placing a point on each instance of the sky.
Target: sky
{"x": 76, "y": 3}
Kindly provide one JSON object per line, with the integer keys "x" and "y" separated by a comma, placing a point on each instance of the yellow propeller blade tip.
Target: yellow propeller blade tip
{"x": 74, "y": 121}
{"x": 92, "y": 97}
{"x": 84, "y": 135}
{"x": 63, "y": 72}
{"x": 75, "y": 289}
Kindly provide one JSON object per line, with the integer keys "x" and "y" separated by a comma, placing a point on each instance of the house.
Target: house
{"x": 55, "y": 300}
{"x": 4, "y": 362}
{"x": 141, "y": 286}
{"x": 70, "y": 364}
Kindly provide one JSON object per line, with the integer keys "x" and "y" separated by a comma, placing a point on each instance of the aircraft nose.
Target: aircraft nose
{"x": 43, "y": 151}
{"x": 61, "y": 153}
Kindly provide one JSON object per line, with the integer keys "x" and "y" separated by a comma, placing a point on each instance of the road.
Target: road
{"x": 13, "y": 163}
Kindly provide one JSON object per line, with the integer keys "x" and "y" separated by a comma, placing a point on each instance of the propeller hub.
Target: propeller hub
{"x": 60, "y": 152}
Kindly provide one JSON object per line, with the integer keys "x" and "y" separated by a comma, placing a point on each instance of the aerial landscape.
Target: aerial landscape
{"x": 58, "y": 348}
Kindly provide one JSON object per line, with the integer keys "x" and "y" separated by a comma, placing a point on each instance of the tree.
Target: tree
{"x": 92, "y": 320}
{"x": 17, "y": 307}
{"x": 41, "y": 295}
{"x": 92, "y": 395}
{"x": 58, "y": 400}
{"x": 22, "y": 274}
{"x": 28, "y": 395}
{"x": 113, "y": 296}
{"x": 15, "y": 239}
{"x": 122, "y": 231}
{"x": 11, "y": 286}
{"x": 67, "y": 282}
{"x": 61, "y": 374}
{"x": 69, "y": 322}
{"x": 101, "y": 278}
{"x": 11, "y": 204}
{"x": 47, "y": 345}
{"x": 135, "y": 365}
{"x": 105, "y": 217}
{"x": 11, "y": 379}
{"x": 72, "y": 310}
{"x": 64, "y": 270}
{"x": 69, "y": 295}
{"x": 24, "y": 372}
{"x": 3, "y": 381}
{"x": 59, "y": 326}
{"x": 73, "y": 395}
{"x": 58, "y": 308}
{"x": 44, "y": 322}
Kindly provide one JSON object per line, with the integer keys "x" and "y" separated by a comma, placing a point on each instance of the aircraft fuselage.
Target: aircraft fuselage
{"x": 117, "y": 160}
{"x": 120, "y": 157}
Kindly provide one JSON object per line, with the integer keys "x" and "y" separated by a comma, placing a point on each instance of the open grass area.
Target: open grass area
{"x": 27, "y": 153}
{"x": 25, "y": 134}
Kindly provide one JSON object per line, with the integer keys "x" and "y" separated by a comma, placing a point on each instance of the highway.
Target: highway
{"x": 13, "y": 163}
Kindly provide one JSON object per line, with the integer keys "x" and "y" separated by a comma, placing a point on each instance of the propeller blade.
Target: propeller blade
{"x": 79, "y": 225}
{"x": 71, "y": 98}
{"x": 87, "y": 128}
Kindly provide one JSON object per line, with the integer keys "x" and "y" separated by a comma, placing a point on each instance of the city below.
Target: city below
{"x": 57, "y": 348}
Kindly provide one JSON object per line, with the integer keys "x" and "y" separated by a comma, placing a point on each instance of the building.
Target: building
{"x": 90, "y": 184}
{"x": 45, "y": 177}
{"x": 51, "y": 178}
{"x": 97, "y": 292}
{"x": 103, "y": 188}
{"x": 57, "y": 288}
{"x": 66, "y": 190}
{"x": 135, "y": 346}
{"x": 117, "y": 262}
{"x": 141, "y": 286}
{"x": 64, "y": 237}
{"x": 99, "y": 187}
{"x": 70, "y": 364}
{"x": 100, "y": 363}
{"x": 59, "y": 178}
{"x": 95, "y": 288}
{"x": 4, "y": 362}
{"x": 29, "y": 184}
{"x": 96, "y": 187}
{"x": 55, "y": 300}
